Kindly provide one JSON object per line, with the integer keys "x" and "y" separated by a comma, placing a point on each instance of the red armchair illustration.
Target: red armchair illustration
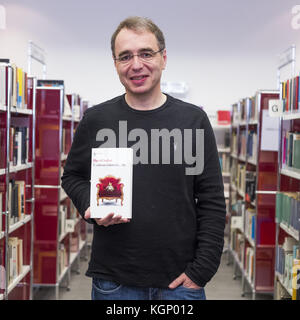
{"x": 110, "y": 188}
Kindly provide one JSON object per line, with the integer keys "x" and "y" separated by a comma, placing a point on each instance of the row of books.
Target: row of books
{"x": 250, "y": 221}
{"x": 235, "y": 114}
{"x": 288, "y": 209}
{"x": 234, "y": 143}
{"x": 288, "y": 263}
{"x": 224, "y": 162}
{"x": 63, "y": 213}
{"x": 19, "y": 145}
{"x": 290, "y": 94}
{"x": 17, "y": 203}
{"x": 74, "y": 242}
{"x": 252, "y": 112}
{"x": 65, "y": 144}
{"x": 291, "y": 150}
{"x": 250, "y": 185}
{"x": 243, "y": 111}
{"x": 242, "y": 143}
{"x": 63, "y": 260}
{"x": 15, "y": 257}
{"x": 238, "y": 207}
{"x": 249, "y": 263}
{"x": 2, "y": 271}
{"x": 19, "y": 85}
{"x": 252, "y": 145}
{"x": 237, "y": 243}
{"x": 241, "y": 177}
{"x": 222, "y": 138}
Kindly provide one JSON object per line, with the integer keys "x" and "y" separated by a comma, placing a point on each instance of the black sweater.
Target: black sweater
{"x": 177, "y": 219}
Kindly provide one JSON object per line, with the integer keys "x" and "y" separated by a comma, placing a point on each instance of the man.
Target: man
{"x": 172, "y": 246}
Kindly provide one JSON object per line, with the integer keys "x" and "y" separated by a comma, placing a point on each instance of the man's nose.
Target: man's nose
{"x": 136, "y": 63}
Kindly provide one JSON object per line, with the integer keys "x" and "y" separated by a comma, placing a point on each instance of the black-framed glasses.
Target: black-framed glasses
{"x": 145, "y": 56}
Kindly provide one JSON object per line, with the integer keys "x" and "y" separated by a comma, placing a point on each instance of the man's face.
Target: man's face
{"x": 139, "y": 77}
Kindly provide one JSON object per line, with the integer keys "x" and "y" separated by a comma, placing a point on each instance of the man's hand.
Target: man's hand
{"x": 184, "y": 280}
{"x": 106, "y": 221}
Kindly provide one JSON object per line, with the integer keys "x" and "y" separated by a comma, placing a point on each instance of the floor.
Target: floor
{"x": 221, "y": 287}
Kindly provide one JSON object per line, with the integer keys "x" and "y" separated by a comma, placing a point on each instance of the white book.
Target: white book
{"x": 111, "y": 182}
{"x": 2, "y": 86}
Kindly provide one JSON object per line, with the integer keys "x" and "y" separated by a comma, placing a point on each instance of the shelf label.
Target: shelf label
{"x": 275, "y": 108}
{"x": 70, "y": 225}
{"x": 269, "y": 132}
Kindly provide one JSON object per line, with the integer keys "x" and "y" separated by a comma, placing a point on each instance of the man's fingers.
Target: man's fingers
{"x": 178, "y": 281}
{"x": 110, "y": 219}
{"x": 87, "y": 213}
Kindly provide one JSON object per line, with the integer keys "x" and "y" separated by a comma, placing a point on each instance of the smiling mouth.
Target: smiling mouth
{"x": 138, "y": 77}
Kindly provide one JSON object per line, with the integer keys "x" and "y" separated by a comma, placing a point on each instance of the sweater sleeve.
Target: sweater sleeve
{"x": 210, "y": 211}
{"x": 76, "y": 176}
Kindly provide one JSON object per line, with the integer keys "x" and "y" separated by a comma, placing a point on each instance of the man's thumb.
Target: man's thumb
{"x": 87, "y": 213}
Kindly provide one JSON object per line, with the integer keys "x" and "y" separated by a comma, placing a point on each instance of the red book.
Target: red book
{"x": 287, "y": 95}
{"x": 296, "y": 93}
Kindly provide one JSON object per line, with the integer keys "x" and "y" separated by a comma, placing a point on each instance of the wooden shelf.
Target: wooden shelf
{"x": 280, "y": 278}
{"x": 19, "y": 224}
{"x": 291, "y": 115}
{"x": 221, "y": 126}
{"x": 21, "y": 111}
{"x": 20, "y": 167}
{"x": 291, "y": 172}
{"x": 25, "y": 271}
{"x": 293, "y": 233}
{"x": 252, "y": 161}
{"x": 224, "y": 150}
{"x": 66, "y": 118}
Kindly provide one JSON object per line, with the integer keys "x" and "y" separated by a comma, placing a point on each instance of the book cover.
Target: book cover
{"x": 296, "y": 151}
{"x": 296, "y": 93}
{"x": 111, "y": 182}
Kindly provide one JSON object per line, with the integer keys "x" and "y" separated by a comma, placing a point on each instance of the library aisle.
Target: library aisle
{"x": 221, "y": 287}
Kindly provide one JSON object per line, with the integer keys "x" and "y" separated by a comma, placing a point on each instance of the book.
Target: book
{"x": 296, "y": 151}
{"x": 111, "y": 182}
{"x": 13, "y": 258}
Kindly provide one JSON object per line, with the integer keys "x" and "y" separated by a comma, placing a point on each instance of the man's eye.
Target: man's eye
{"x": 125, "y": 58}
{"x": 146, "y": 55}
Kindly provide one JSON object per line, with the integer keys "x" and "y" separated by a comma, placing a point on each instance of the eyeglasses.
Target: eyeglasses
{"x": 145, "y": 56}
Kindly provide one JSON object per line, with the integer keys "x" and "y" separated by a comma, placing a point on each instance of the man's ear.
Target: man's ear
{"x": 164, "y": 58}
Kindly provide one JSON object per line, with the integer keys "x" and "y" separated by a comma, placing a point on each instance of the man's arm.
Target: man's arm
{"x": 76, "y": 176}
{"x": 211, "y": 213}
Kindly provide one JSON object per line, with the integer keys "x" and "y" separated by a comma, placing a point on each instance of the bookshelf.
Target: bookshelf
{"x": 60, "y": 234}
{"x": 288, "y": 195}
{"x": 222, "y": 135}
{"x": 253, "y": 182}
{"x": 17, "y": 164}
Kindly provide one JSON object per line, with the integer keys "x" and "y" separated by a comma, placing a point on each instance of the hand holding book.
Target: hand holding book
{"x": 109, "y": 220}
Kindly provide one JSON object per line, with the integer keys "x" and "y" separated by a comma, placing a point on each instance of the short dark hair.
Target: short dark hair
{"x": 139, "y": 24}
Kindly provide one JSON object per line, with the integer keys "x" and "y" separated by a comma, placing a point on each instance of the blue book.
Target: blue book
{"x": 253, "y": 227}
